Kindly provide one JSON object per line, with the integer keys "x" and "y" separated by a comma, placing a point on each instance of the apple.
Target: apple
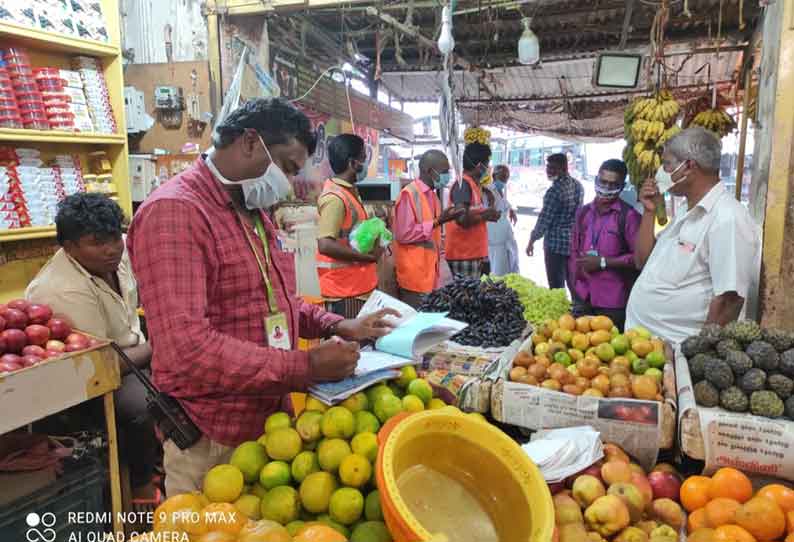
{"x": 631, "y": 497}
{"x": 640, "y": 481}
{"x": 664, "y": 485}
{"x": 19, "y": 304}
{"x": 2, "y": 323}
{"x": 632, "y": 534}
{"x": 75, "y": 347}
{"x": 2, "y": 345}
{"x": 55, "y": 346}
{"x": 93, "y": 343}
{"x": 15, "y": 340}
{"x": 669, "y": 512}
{"x": 52, "y": 354}
{"x": 608, "y": 515}
{"x": 15, "y": 319}
{"x": 9, "y": 366}
{"x": 30, "y": 361}
{"x": 566, "y": 510}
{"x": 666, "y": 467}
{"x": 77, "y": 338}
{"x": 37, "y": 334}
{"x": 615, "y": 472}
{"x": 613, "y": 452}
{"x": 39, "y": 313}
{"x": 59, "y": 329}
{"x": 586, "y": 489}
{"x": 34, "y": 350}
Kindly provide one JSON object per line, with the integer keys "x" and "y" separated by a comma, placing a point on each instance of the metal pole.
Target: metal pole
{"x": 748, "y": 80}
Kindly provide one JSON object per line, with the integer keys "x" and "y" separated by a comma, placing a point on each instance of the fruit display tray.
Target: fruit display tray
{"x": 57, "y": 384}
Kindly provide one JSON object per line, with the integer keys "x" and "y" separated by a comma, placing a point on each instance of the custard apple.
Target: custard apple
{"x": 753, "y": 380}
{"x": 787, "y": 363}
{"x": 712, "y": 332}
{"x": 782, "y": 385}
{"x": 739, "y": 362}
{"x": 697, "y": 367}
{"x": 766, "y": 403}
{"x": 764, "y": 356}
{"x": 782, "y": 340}
{"x": 734, "y": 399}
{"x": 790, "y": 408}
{"x": 706, "y": 394}
{"x": 693, "y": 346}
{"x": 728, "y": 345}
{"x": 718, "y": 373}
{"x": 745, "y": 331}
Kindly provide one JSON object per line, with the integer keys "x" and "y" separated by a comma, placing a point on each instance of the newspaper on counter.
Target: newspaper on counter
{"x": 750, "y": 443}
{"x": 469, "y": 360}
{"x": 560, "y": 453}
{"x": 632, "y": 424}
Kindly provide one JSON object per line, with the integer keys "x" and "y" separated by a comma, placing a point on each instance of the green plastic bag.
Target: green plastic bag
{"x": 366, "y": 234}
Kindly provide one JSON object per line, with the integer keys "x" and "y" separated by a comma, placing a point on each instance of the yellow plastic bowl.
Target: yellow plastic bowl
{"x": 478, "y": 455}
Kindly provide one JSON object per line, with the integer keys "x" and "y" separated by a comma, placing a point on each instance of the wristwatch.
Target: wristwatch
{"x": 603, "y": 263}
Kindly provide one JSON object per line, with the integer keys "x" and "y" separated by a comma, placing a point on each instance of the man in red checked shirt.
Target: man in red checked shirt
{"x": 220, "y": 300}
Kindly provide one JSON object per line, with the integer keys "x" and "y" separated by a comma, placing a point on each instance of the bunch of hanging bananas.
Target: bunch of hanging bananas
{"x": 648, "y": 124}
{"x": 475, "y": 134}
{"x": 715, "y": 120}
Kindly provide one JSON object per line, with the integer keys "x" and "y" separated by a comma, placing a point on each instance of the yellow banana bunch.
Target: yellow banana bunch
{"x": 660, "y": 108}
{"x": 715, "y": 120}
{"x": 476, "y": 134}
{"x": 667, "y": 135}
{"x": 648, "y": 123}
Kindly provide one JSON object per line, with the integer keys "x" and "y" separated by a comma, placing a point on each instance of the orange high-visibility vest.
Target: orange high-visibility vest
{"x": 417, "y": 263}
{"x": 467, "y": 243}
{"x": 340, "y": 279}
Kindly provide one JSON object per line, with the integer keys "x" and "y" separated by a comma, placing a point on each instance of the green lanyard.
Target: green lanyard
{"x": 260, "y": 232}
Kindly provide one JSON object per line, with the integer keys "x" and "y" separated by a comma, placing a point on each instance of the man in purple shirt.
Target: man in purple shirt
{"x": 601, "y": 265}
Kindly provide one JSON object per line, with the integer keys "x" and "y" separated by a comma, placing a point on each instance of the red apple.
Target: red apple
{"x": 2, "y": 323}
{"x": 93, "y": 343}
{"x": 15, "y": 319}
{"x": 9, "y": 365}
{"x": 19, "y": 304}
{"x": 2, "y": 345}
{"x": 39, "y": 313}
{"x": 34, "y": 350}
{"x": 75, "y": 347}
{"x": 15, "y": 340}
{"x": 665, "y": 485}
{"x": 55, "y": 346}
{"x": 556, "y": 487}
{"x": 52, "y": 354}
{"x": 59, "y": 329}
{"x": 30, "y": 361}
{"x": 77, "y": 338}
{"x": 37, "y": 334}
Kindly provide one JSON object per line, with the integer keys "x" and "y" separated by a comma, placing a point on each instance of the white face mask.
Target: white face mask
{"x": 261, "y": 192}
{"x": 664, "y": 180}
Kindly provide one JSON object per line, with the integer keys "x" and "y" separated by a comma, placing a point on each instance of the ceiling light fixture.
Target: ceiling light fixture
{"x": 446, "y": 43}
{"x": 528, "y": 45}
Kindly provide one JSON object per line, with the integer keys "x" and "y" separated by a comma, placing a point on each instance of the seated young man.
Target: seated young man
{"x": 89, "y": 281}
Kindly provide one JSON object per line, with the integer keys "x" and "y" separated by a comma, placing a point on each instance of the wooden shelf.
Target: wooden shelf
{"x": 54, "y": 42}
{"x": 35, "y": 232}
{"x": 55, "y": 136}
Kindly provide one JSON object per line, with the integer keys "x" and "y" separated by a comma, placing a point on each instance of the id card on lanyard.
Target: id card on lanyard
{"x": 595, "y": 236}
{"x": 276, "y": 325}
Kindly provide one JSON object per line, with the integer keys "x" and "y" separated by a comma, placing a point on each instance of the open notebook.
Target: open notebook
{"x": 415, "y": 333}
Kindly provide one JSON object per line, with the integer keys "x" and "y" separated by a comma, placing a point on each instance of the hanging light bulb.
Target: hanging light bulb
{"x": 446, "y": 43}
{"x": 528, "y": 45}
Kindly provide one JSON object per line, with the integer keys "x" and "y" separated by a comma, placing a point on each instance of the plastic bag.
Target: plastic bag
{"x": 364, "y": 235}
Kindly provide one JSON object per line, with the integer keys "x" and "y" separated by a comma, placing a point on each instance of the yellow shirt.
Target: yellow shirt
{"x": 88, "y": 302}
{"x": 332, "y": 211}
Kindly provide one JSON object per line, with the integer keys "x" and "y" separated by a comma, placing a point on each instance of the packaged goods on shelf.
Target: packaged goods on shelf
{"x": 21, "y": 13}
{"x": 9, "y": 109}
{"x": 96, "y": 92}
{"x": 82, "y": 18}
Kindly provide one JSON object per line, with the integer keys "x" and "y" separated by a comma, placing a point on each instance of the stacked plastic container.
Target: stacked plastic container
{"x": 9, "y": 111}
{"x": 96, "y": 93}
{"x": 75, "y": 96}
{"x": 70, "y": 173}
{"x": 26, "y": 90}
{"x": 55, "y": 99}
{"x": 38, "y": 187}
{"x": 13, "y": 207}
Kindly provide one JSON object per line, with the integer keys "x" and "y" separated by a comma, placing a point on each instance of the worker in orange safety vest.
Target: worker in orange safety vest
{"x": 346, "y": 276}
{"x": 418, "y": 219}
{"x": 467, "y": 236}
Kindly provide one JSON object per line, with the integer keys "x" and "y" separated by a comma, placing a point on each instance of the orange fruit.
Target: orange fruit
{"x": 601, "y": 323}
{"x": 721, "y": 511}
{"x": 318, "y": 533}
{"x": 731, "y": 484}
{"x": 762, "y": 517}
{"x": 704, "y": 534}
{"x": 223, "y": 517}
{"x": 732, "y": 533}
{"x": 696, "y": 520}
{"x": 789, "y": 538}
{"x": 567, "y": 322}
{"x": 790, "y": 522}
{"x": 694, "y": 492}
{"x": 782, "y": 495}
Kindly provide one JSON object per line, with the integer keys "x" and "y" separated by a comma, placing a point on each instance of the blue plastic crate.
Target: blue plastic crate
{"x": 80, "y": 490}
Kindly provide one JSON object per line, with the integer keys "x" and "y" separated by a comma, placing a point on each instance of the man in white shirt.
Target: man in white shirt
{"x": 699, "y": 269}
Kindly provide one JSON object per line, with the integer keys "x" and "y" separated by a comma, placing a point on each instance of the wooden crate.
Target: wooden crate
{"x": 54, "y": 385}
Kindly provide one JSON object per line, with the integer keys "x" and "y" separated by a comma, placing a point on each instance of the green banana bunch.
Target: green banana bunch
{"x": 715, "y": 120}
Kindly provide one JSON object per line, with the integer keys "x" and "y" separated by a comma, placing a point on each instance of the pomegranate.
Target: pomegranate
{"x": 2, "y": 345}
{"x": 77, "y": 339}
{"x": 93, "y": 343}
{"x": 75, "y": 347}
{"x": 34, "y": 350}
{"x": 59, "y": 329}
{"x": 15, "y": 340}
{"x": 2, "y": 323}
{"x": 52, "y": 354}
{"x": 55, "y": 346}
{"x": 30, "y": 361}
{"x": 9, "y": 365}
{"x": 15, "y": 319}
{"x": 19, "y": 304}
{"x": 39, "y": 313}
{"x": 37, "y": 334}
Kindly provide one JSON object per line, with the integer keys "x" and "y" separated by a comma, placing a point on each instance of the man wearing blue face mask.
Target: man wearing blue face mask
{"x": 346, "y": 276}
{"x": 417, "y": 229}
{"x": 221, "y": 307}
{"x": 699, "y": 270}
